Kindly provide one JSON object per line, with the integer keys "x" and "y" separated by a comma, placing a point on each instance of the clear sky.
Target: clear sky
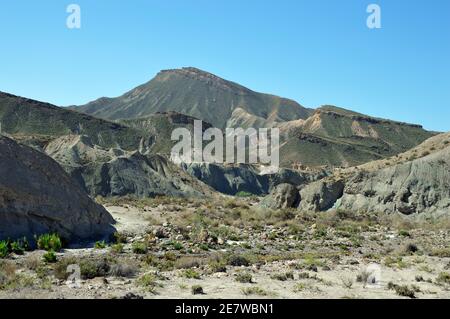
{"x": 315, "y": 52}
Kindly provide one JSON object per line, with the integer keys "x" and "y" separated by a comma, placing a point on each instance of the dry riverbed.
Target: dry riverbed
{"x": 231, "y": 248}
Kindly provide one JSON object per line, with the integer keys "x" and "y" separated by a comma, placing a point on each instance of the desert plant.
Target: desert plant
{"x": 4, "y": 249}
{"x": 117, "y": 248}
{"x": 243, "y": 194}
{"x": 347, "y": 282}
{"x": 50, "y": 256}
{"x": 244, "y": 277}
{"x": 238, "y": 261}
{"x": 139, "y": 248}
{"x": 191, "y": 274}
{"x": 218, "y": 266}
{"x": 405, "y": 291}
{"x": 254, "y": 291}
{"x": 20, "y": 246}
{"x": 49, "y": 242}
{"x": 411, "y": 248}
{"x": 443, "y": 278}
{"x": 120, "y": 238}
{"x": 125, "y": 270}
{"x": 149, "y": 282}
{"x": 283, "y": 276}
{"x": 197, "y": 290}
{"x": 100, "y": 245}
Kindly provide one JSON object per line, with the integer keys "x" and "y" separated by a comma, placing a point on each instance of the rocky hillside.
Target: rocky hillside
{"x": 160, "y": 126}
{"x": 199, "y": 94}
{"x": 420, "y": 184}
{"x": 23, "y": 117}
{"x": 416, "y": 182}
{"x": 232, "y": 179}
{"x": 37, "y": 196}
{"x": 327, "y": 136}
{"x": 338, "y": 137}
{"x": 114, "y": 172}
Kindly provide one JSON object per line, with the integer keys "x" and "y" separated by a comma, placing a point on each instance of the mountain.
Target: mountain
{"x": 160, "y": 126}
{"x": 199, "y": 94}
{"x": 416, "y": 182}
{"x": 30, "y": 119}
{"x": 37, "y": 197}
{"x": 116, "y": 172}
{"x": 337, "y": 137}
{"x": 329, "y": 135}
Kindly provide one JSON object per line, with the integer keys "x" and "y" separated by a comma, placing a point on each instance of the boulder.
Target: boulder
{"x": 37, "y": 196}
{"x": 415, "y": 187}
{"x": 321, "y": 195}
{"x": 282, "y": 196}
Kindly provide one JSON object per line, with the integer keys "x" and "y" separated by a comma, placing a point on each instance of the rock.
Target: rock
{"x": 37, "y": 196}
{"x": 118, "y": 173}
{"x": 419, "y": 187}
{"x": 246, "y": 178}
{"x": 320, "y": 195}
{"x": 132, "y": 296}
{"x": 283, "y": 196}
{"x": 161, "y": 232}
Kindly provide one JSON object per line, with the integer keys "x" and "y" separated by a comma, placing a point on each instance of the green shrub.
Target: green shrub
{"x": 238, "y": 261}
{"x": 243, "y": 194}
{"x": 49, "y": 242}
{"x": 120, "y": 238}
{"x": 440, "y": 252}
{"x": 443, "y": 278}
{"x": 149, "y": 282}
{"x": 191, "y": 274}
{"x": 404, "y": 233}
{"x": 20, "y": 246}
{"x": 139, "y": 248}
{"x": 403, "y": 291}
{"x": 283, "y": 276}
{"x": 50, "y": 257}
{"x": 4, "y": 249}
{"x": 218, "y": 266}
{"x": 254, "y": 291}
{"x": 89, "y": 267}
{"x": 245, "y": 278}
{"x": 123, "y": 269}
{"x": 100, "y": 245}
{"x": 197, "y": 290}
{"x": 117, "y": 248}
{"x": 177, "y": 245}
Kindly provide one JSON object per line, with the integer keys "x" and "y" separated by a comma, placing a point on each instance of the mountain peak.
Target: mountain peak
{"x": 192, "y": 73}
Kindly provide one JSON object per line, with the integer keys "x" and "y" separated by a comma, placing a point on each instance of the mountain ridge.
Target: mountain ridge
{"x": 197, "y": 93}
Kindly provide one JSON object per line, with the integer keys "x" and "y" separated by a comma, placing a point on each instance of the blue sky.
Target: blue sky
{"x": 315, "y": 52}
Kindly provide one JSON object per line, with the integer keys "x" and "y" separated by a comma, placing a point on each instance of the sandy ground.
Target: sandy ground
{"x": 332, "y": 279}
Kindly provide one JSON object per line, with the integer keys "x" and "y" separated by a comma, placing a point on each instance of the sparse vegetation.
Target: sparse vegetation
{"x": 258, "y": 291}
{"x": 50, "y": 256}
{"x": 283, "y": 276}
{"x": 244, "y": 278}
{"x": 49, "y": 242}
{"x": 149, "y": 282}
{"x": 100, "y": 245}
{"x": 139, "y": 248}
{"x": 191, "y": 274}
